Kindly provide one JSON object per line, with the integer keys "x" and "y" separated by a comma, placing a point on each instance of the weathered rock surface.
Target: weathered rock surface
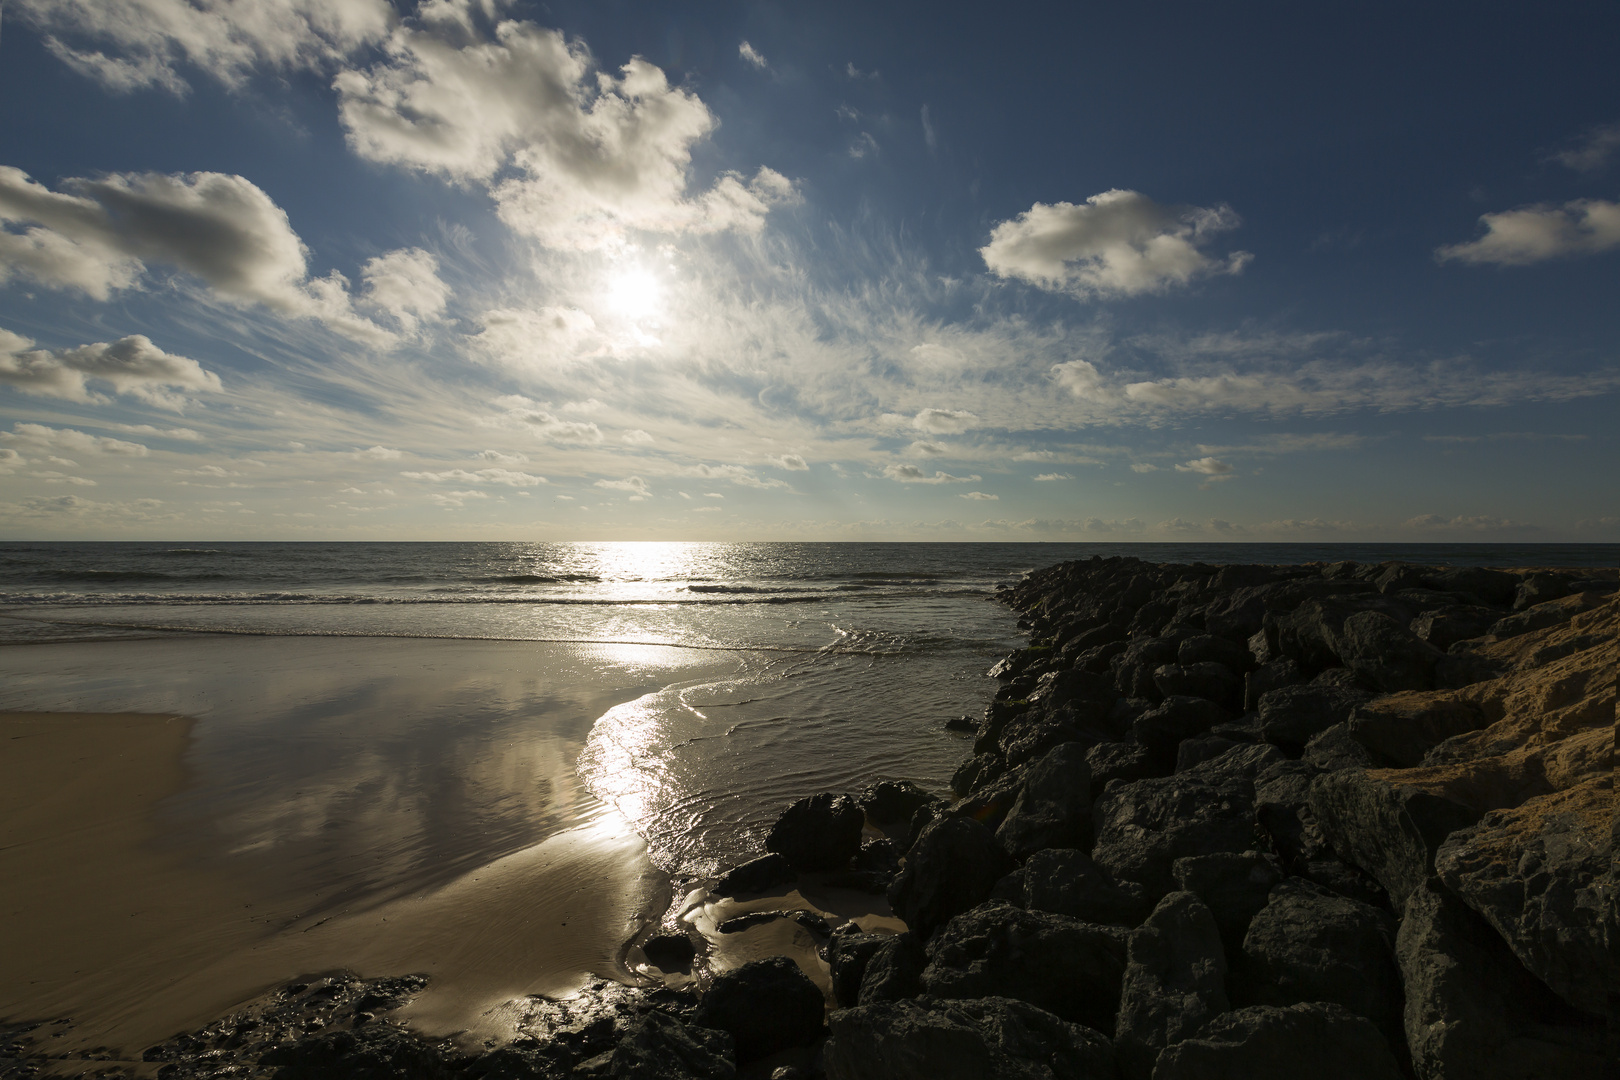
{"x": 1144, "y": 826}
{"x": 1067, "y": 967}
{"x": 893, "y": 971}
{"x": 1234, "y": 886}
{"x": 953, "y": 866}
{"x": 1175, "y": 980}
{"x": 849, "y": 950}
{"x": 989, "y": 1038}
{"x": 1318, "y": 1041}
{"x": 1068, "y": 882}
{"x": 1290, "y": 716}
{"x": 659, "y": 1047}
{"x": 755, "y": 876}
{"x": 1054, "y": 808}
{"x": 766, "y": 1006}
{"x": 820, "y": 832}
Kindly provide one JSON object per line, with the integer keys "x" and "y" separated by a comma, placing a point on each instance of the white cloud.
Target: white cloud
{"x": 226, "y": 38}
{"x": 217, "y": 227}
{"x": 713, "y": 495}
{"x": 736, "y": 474}
{"x": 1291, "y": 443}
{"x": 70, "y": 441}
{"x": 633, "y": 484}
{"x": 10, "y": 460}
{"x": 499, "y": 458}
{"x": 1594, "y": 150}
{"x": 406, "y": 285}
{"x": 978, "y": 496}
{"x": 910, "y": 474}
{"x": 636, "y": 437}
{"x": 1117, "y": 243}
{"x": 752, "y": 55}
{"x": 923, "y": 448}
{"x": 536, "y": 339}
{"x": 944, "y": 421}
{"x": 790, "y": 462}
{"x": 178, "y": 433}
{"x": 1478, "y": 523}
{"x": 572, "y": 155}
{"x": 1143, "y": 467}
{"x": 509, "y": 477}
{"x": 62, "y": 478}
{"x": 1533, "y": 234}
{"x": 379, "y": 453}
{"x": 1206, "y": 466}
{"x": 531, "y": 415}
{"x": 454, "y": 499}
{"x": 1053, "y": 476}
{"x": 130, "y": 365}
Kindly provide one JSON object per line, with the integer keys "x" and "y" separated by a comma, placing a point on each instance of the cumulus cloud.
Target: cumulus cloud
{"x": 735, "y": 473}
{"x": 978, "y": 496}
{"x": 379, "y": 453}
{"x": 1047, "y": 476}
{"x": 99, "y": 236}
{"x": 1117, "y": 243}
{"x": 1533, "y": 234}
{"x": 1206, "y": 466}
{"x": 573, "y": 156}
{"x": 634, "y": 484}
{"x": 131, "y": 365}
{"x": 752, "y": 55}
{"x": 1143, "y": 467}
{"x": 536, "y": 339}
{"x": 1593, "y": 151}
{"x": 69, "y": 440}
{"x": 791, "y": 462}
{"x": 910, "y": 474}
{"x": 149, "y": 39}
{"x": 500, "y": 458}
{"x": 523, "y": 412}
{"x": 509, "y": 477}
{"x": 636, "y": 437}
{"x": 944, "y": 421}
{"x": 405, "y": 284}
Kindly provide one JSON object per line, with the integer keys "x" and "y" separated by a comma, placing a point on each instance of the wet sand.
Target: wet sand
{"x": 151, "y": 879}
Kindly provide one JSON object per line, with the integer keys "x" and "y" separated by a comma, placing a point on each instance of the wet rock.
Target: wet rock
{"x": 1038, "y": 731}
{"x": 1054, "y": 807}
{"x": 820, "y": 832}
{"x": 1058, "y": 688}
{"x": 1317, "y": 1040}
{"x": 375, "y": 1052}
{"x": 1291, "y": 715}
{"x": 1067, "y": 967}
{"x": 979, "y": 1039}
{"x": 1209, "y": 680}
{"x": 1067, "y": 882}
{"x": 660, "y": 1047}
{"x": 1308, "y": 944}
{"x": 1174, "y": 719}
{"x": 1473, "y": 1011}
{"x": 756, "y": 876}
{"x": 1234, "y": 887}
{"x": 952, "y": 867}
{"x": 766, "y": 1006}
{"x": 878, "y": 855}
{"x": 894, "y": 970}
{"x": 849, "y": 950}
{"x": 1143, "y": 827}
{"x": 1389, "y": 829}
{"x": 671, "y": 952}
{"x": 892, "y": 802}
{"x": 1543, "y": 874}
{"x": 975, "y": 771}
{"x": 1175, "y": 980}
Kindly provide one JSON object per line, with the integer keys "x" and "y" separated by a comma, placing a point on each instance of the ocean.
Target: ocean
{"x": 505, "y": 691}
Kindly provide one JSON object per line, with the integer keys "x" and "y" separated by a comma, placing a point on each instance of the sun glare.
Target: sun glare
{"x": 634, "y": 292}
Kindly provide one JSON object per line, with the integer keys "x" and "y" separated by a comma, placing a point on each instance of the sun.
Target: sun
{"x": 634, "y": 292}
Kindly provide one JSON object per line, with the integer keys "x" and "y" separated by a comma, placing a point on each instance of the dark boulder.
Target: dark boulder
{"x": 1550, "y": 613}
{"x": 1174, "y": 719}
{"x": 1239, "y": 763}
{"x": 1067, "y": 882}
{"x": 374, "y": 1052}
{"x": 1336, "y": 749}
{"x": 659, "y": 1047}
{"x": 1291, "y": 715}
{"x": 1039, "y": 730}
{"x": 1122, "y": 761}
{"x": 1338, "y": 876}
{"x": 1054, "y": 807}
{"x": 1212, "y": 647}
{"x": 671, "y": 952}
{"x": 892, "y": 802}
{"x": 1471, "y": 1008}
{"x": 1268, "y": 677}
{"x": 989, "y": 1038}
{"x": 952, "y": 867}
{"x": 1282, "y": 796}
{"x": 1494, "y": 587}
{"x": 766, "y": 1006}
{"x": 820, "y": 832}
{"x": 756, "y": 876}
{"x": 1444, "y": 627}
{"x": 1195, "y": 751}
{"x": 1537, "y": 589}
{"x": 1207, "y": 679}
{"x": 1143, "y": 827}
{"x": 1058, "y": 688}
{"x": 894, "y": 970}
{"x": 1317, "y": 1040}
{"x": 849, "y": 950}
{"x": 1234, "y": 886}
{"x": 1385, "y": 654}
{"x": 1390, "y": 830}
{"x": 1400, "y": 729}
{"x": 1175, "y": 981}
{"x": 1133, "y": 669}
{"x": 1308, "y": 944}
{"x": 1067, "y": 967}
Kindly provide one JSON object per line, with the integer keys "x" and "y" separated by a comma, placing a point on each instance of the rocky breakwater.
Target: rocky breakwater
{"x": 1266, "y": 821}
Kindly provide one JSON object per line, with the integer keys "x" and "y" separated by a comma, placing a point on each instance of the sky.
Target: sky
{"x": 493, "y": 269}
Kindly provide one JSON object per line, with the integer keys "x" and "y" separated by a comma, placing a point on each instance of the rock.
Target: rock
{"x": 671, "y": 952}
{"x": 756, "y": 876}
{"x": 1308, "y": 944}
{"x": 1444, "y": 627}
{"x": 1389, "y": 829}
{"x": 1233, "y": 886}
{"x": 375, "y": 1052}
{"x": 1054, "y": 807}
{"x": 1537, "y": 589}
{"x": 1493, "y": 587}
{"x": 980, "y": 768}
{"x": 1210, "y": 647}
{"x": 1282, "y": 795}
{"x": 892, "y": 802}
{"x": 1174, "y": 719}
{"x": 820, "y": 832}
{"x": 1399, "y": 729}
{"x": 878, "y": 855}
{"x": 1268, "y": 677}
{"x": 1067, "y": 882}
{"x": 766, "y": 1006}
{"x": 660, "y": 1047}
{"x": 1543, "y": 874}
{"x": 1340, "y": 877}
{"x": 1239, "y": 763}
{"x": 1550, "y": 613}
{"x": 1194, "y": 752}
{"x": 1067, "y": 967}
{"x": 1034, "y": 733}
{"x": 894, "y": 970}
{"x": 1291, "y": 715}
{"x": 1175, "y": 980}
{"x": 849, "y": 950}
{"x": 1335, "y": 749}
{"x": 984, "y": 1039}
{"x": 1121, "y": 761}
{"x": 1473, "y": 1011}
{"x": 1385, "y": 654}
{"x": 1318, "y": 1040}
{"x": 952, "y": 867}
{"x": 1133, "y": 669}
{"x": 1143, "y": 827}
{"x": 1207, "y": 679}
{"x": 1058, "y": 688}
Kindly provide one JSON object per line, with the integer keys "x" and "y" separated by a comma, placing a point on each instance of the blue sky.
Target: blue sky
{"x": 482, "y": 269}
